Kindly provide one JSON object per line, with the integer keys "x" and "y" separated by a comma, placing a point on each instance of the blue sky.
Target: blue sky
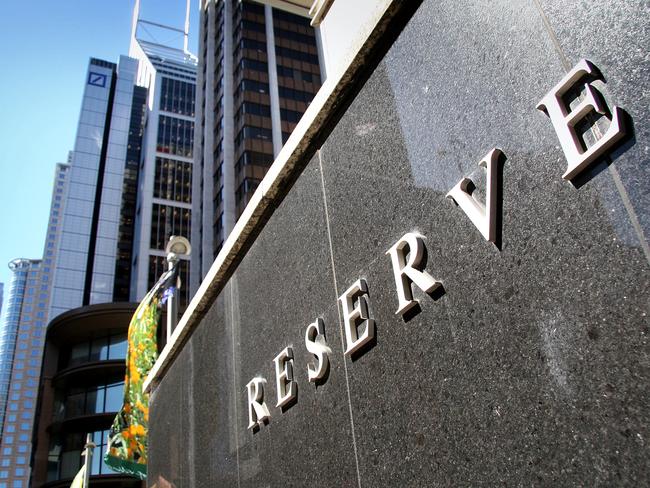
{"x": 45, "y": 47}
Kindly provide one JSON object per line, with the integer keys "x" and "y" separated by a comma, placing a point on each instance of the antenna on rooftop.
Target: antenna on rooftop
{"x": 138, "y": 22}
{"x": 187, "y": 25}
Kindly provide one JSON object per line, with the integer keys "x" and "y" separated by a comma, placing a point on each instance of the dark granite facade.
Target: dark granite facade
{"x": 531, "y": 369}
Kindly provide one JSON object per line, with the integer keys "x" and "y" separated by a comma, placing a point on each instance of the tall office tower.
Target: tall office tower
{"x": 54, "y": 227}
{"x": 2, "y": 293}
{"x": 21, "y": 341}
{"x": 94, "y": 249}
{"x": 258, "y": 72}
{"x": 164, "y": 206}
{"x": 23, "y": 333}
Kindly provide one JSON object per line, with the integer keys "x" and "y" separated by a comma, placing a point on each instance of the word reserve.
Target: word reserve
{"x": 407, "y": 254}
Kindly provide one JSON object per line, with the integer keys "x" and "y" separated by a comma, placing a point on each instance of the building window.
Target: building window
{"x": 177, "y": 96}
{"x": 252, "y": 132}
{"x": 80, "y": 401}
{"x": 175, "y": 136}
{"x": 167, "y": 221}
{"x": 173, "y": 180}
{"x": 64, "y": 459}
{"x": 251, "y": 86}
{"x": 98, "y": 349}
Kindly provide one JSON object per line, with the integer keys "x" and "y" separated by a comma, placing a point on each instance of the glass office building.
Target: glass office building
{"x": 164, "y": 196}
{"x": 98, "y": 209}
{"x": 21, "y": 345}
{"x": 21, "y": 339}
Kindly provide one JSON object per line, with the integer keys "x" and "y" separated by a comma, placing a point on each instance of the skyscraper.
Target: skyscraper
{"x": 164, "y": 196}
{"x": 22, "y": 334}
{"x": 258, "y": 72}
{"x": 128, "y": 190}
{"x": 21, "y": 343}
{"x": 98, "y": 210}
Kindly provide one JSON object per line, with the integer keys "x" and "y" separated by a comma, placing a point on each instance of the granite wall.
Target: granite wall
{"x": 531, "y": 368}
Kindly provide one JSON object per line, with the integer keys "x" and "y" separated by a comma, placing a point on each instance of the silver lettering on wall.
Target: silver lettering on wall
{"x": 565, "y": 119}
{"x": 356, "y": 316}
{"x": 411, "y": 271}
{"x": 484, "y": 217}
{"x": 316, "y": 344}
{"x": 286, "y": 385}
{"x": 258, "y": 412}
{"x": 408, "y": 254}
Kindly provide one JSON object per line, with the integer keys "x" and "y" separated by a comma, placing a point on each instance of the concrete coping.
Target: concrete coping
{"x": 375, "y": 35}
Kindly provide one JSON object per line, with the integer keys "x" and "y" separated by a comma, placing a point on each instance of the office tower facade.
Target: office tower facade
{"x": 258, "y": 72}
{"x": 164, "y": 201}
{"x": 23, "y": 331}
{"x": 95, "y": 241}
{"x": 21, "y": 342}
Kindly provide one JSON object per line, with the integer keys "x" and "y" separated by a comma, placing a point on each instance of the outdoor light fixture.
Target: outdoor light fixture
{"x": 178, "y": 245}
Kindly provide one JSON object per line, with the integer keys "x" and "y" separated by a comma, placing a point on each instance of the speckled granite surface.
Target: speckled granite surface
{"x": 532, "y": 369}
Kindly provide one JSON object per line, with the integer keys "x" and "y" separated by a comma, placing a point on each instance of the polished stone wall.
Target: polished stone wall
{"x": 532, "y": 368}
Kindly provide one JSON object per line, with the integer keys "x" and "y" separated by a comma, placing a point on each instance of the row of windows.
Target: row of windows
{"x": 294, "y": 36}
{"x": 64, "y": 459}
{"x": 252, "y": 132}
{"x": 240, "y": 7}
{"x": 297, "y": 55}
{"x": 252, "y": 108}
{"x": 173, "y": 180}
{"x": 296, "y": 74}
{"x": 167, "y": 221}
{"x": 15, "y": 483}
{"x": 251, "y": 86}
{"x": 78, "y": 401}
{"x": 20, "y": 460}
{"x": 9, "y": 439}
{"x": 248, "y": 186}
{"x": 252, "y": 44}
{"x": 175, "y": 136}
{"x": 7, "y": 451}
{"x": 290, "y": 115}
{"x": 11, "y": 428}
{"x": 253, "y": 158}
{"x": 298, "y": 95}
{"x": 177, "y": 96}
{"x": 292, "y": 18}
{"x": 251, "y": 64}
{"x": 97, "y": 349}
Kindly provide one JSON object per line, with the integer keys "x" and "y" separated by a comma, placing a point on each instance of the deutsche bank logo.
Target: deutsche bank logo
{"x": 96, "y": 79}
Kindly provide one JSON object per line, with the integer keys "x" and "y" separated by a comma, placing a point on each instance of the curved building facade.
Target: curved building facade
{"x": 81, "y": 391}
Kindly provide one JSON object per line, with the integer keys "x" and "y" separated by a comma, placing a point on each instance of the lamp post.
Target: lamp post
{"x": 176, "y": 247}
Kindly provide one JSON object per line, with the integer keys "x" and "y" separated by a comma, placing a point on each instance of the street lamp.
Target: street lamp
{"x": 176, "y": 247}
